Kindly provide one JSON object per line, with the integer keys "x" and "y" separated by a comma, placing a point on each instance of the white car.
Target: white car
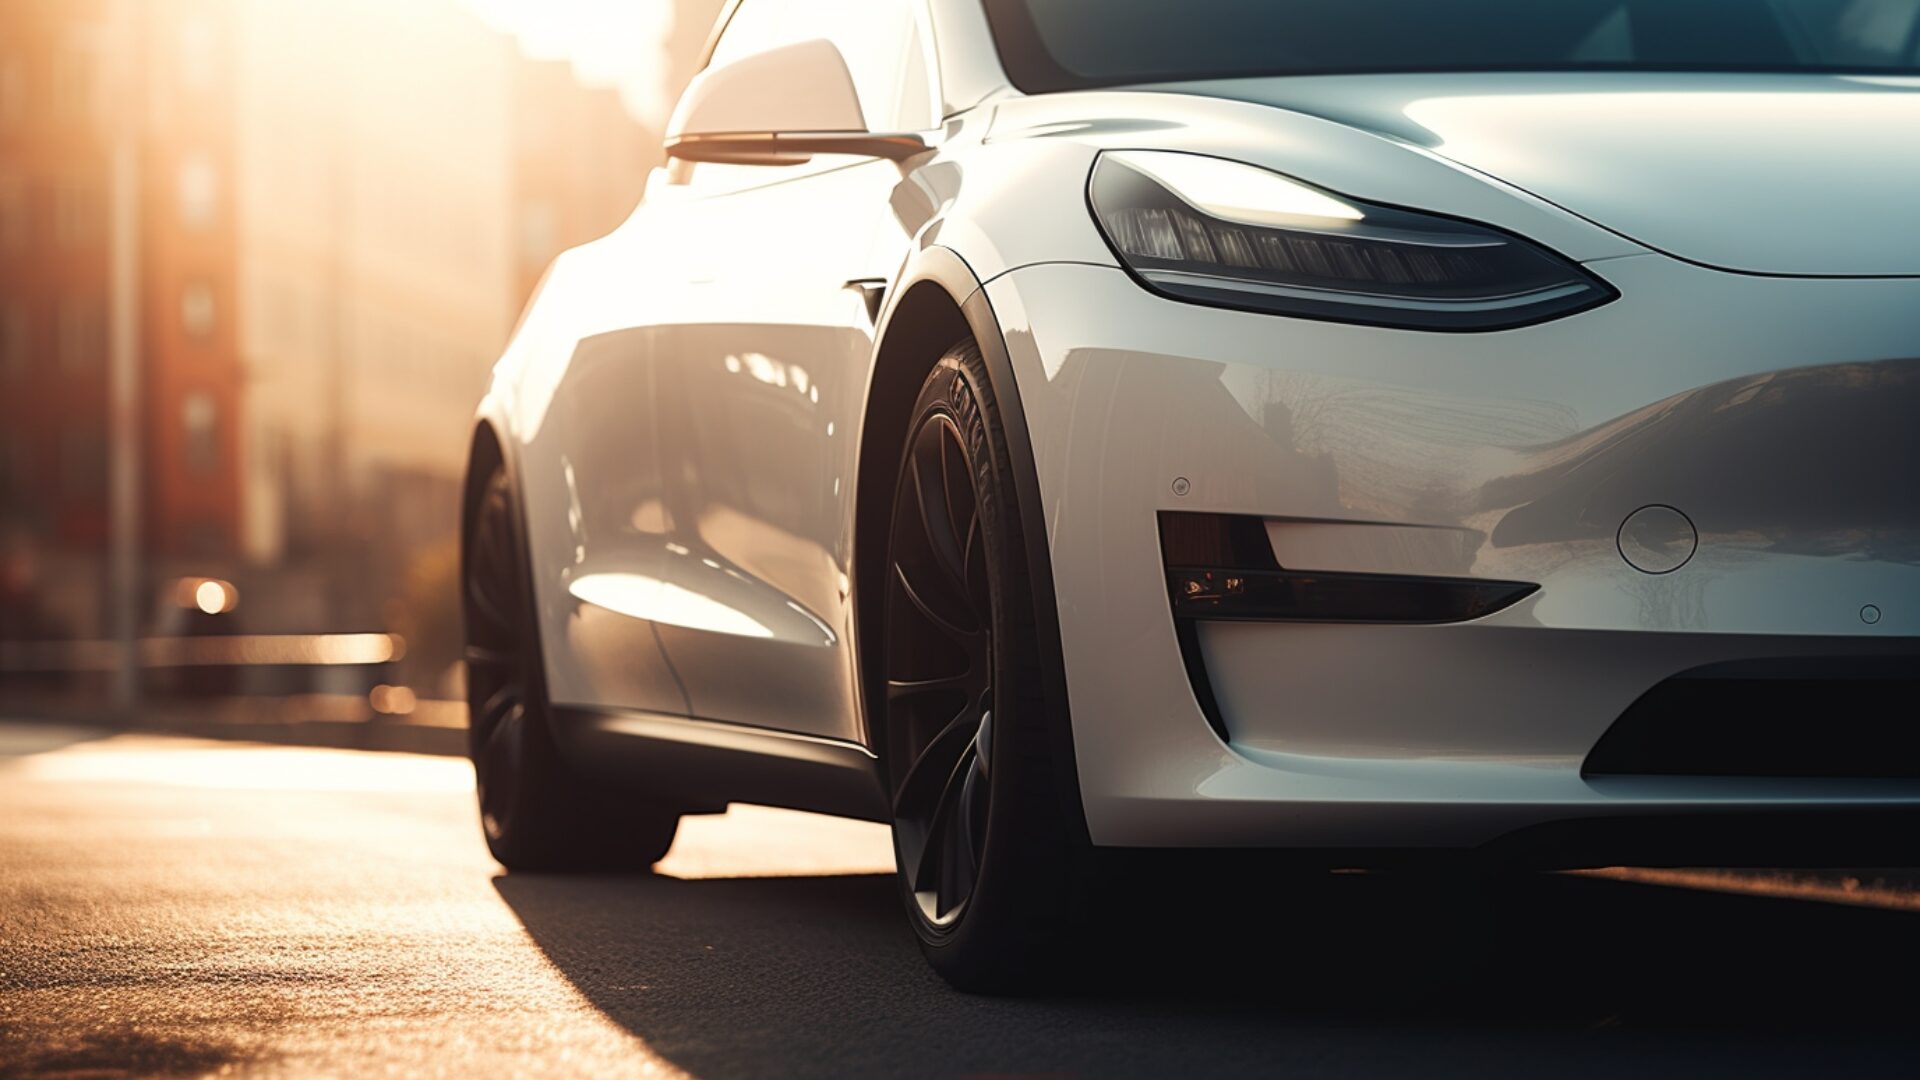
{"x": 1357, "y": 429}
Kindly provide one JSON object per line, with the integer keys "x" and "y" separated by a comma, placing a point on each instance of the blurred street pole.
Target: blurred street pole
{"x": 340, "y": 207}
{"x": 126, "y": 109}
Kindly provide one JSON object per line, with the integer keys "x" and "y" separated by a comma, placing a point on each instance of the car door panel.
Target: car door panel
{"x": 611, "y": 479}
{"x": 595, "y": 489}
{"x": 758, "y": 420}
{"x": 718, "y": 516}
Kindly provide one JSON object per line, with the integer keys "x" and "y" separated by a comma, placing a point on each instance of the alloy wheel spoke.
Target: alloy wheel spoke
{"x": 489, "y": 607}
{"x": 491, "y": 657}
{"x": 494, "y": 710}
{"x": 960, "y": 861}
{"x": 940, "y": 665}
{"x": 493, "y": 598}
{"x": 937, "y": 759}
{"x": 500, "y": 758}
{"x": 942, "y": 621}
{"x": 898, "y": 689}
{"x": 967, "y": 551}
{"x": 937, "y": 860}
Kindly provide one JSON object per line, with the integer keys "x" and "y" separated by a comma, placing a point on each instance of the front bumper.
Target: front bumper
{"x": 1776, "y": 414}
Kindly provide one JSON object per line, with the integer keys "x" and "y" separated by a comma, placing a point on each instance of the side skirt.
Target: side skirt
{"x": 702, "y": 765}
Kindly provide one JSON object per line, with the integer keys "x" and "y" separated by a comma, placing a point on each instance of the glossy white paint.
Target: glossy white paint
{"x": 1776, "y": 174}
{"x": 687, "y": 449}
{"x": 1725, "y": 395}
{"x": 686, "y": 396}
{"x": 767, "y": 361}
{"x": 800, "y": 87}
{"x": 683, "y": 408}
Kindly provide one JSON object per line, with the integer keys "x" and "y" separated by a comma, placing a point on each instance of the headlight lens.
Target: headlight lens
{"x": 1219, "y": 232}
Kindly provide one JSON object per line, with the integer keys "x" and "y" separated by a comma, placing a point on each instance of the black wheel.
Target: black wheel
{"x": 536, "y": 816}
{"x": 988, "y": 864}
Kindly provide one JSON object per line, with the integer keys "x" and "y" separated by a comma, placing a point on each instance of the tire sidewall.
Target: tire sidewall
{"x": 1016, "y": 920}
{"x": 557, "y": 822}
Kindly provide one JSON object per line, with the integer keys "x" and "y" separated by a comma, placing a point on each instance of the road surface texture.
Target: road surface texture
{"x": 180, "y": 907}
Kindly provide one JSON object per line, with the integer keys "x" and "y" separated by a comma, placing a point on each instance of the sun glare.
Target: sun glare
{"x": 616, "y": 44}
{"x": 139, "y": 759}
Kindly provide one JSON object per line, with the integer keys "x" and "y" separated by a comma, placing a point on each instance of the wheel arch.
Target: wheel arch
{"x": 938, "y": 303}
{"x": 484, "y": 453}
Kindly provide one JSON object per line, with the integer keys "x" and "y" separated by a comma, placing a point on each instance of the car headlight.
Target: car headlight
{"x": 1220, "y": 232}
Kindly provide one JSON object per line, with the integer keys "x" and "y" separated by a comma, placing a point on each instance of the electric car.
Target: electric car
{"x": 1355, "y": 430}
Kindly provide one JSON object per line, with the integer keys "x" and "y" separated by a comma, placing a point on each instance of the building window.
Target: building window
{"x": 83, "y": 463}
{"x": 79, "y": 214}
{"x": 77, "y": 72}
{"x": 198, "y": 46}
{"x": 196, "y": 310}
{"x": 80, "y": 333}
{"x": 13, "y": 90}
{"x": 199, "y": 193}
{"x": 72, "y": 84}
{"x": 200, "y": 420}
{"x": 16, "y": 340}
{"x": 16, "y": 218}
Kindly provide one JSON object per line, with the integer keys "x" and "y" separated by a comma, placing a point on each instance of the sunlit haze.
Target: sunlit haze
{"x": 611, "y": 42}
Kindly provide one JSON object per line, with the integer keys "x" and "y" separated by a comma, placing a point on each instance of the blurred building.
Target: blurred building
{"x": 577, "y": 158}
{"x": 374, "y": 189}
{"x": 687, "y": 36}
{"x": 345, "y": 203}
{"x": 54, "y": 301}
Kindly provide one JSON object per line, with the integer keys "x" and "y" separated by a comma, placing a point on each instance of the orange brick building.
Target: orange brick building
{"x": 53, "y": 271}
{"x": 192, "y": 376}
{"x": 59, "y": 92}
{"x": 343, "y": 204}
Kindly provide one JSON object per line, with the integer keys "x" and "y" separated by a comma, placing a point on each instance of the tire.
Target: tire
{"x": 990, "y": 867}
{"x": 536, "y": 815}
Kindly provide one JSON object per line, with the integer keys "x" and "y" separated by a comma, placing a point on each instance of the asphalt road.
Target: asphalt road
{"x": 171, "y": 906}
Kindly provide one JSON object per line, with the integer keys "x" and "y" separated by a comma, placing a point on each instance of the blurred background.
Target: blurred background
{"x": 256, "y": 260}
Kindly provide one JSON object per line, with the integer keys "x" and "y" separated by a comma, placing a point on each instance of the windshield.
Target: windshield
{"x": 1068, "y": 44}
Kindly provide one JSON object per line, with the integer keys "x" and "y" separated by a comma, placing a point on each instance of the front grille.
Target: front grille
{"x": 1852, "y": 718}
{"x": 1222, "y": 567}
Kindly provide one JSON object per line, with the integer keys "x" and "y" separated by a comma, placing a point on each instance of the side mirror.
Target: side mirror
{"x": 779, "y": 107}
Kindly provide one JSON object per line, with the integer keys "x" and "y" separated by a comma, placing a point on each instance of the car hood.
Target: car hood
{"x": 1775, "y": 174}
